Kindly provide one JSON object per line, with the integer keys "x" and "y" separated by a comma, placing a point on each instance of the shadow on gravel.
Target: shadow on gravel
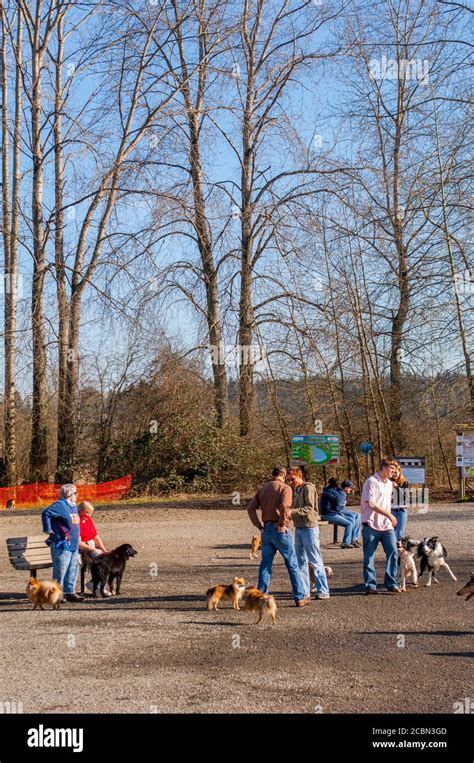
{"x": 244, "y": 546}
{"x": 418, "y": 633}
{"x": 247, "y": 563}
{"x": 11, "y": 598}
{"x": 470, "y": 655}
{"x": 227, "y": 624}
{"x": 116, "y": 603}
{"x": 354, "y": 590}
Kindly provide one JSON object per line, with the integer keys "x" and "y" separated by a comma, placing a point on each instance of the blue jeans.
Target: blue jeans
{"x": 371, "y": 539}
{"x": 273, "y": 541}
{"x": 308, "y": 551}
{"x": 401, "y": 515}
{"x": 346, "y": 522}
{"x": 65, "y": 568}
{"x": 356, "y": 519}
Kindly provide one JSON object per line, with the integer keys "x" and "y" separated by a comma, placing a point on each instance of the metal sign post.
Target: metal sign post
{"x": 366, "y": 448}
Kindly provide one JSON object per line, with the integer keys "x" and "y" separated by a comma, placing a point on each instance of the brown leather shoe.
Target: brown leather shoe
{"x": 75, "y": 597}
{"x": 303, "y": 602}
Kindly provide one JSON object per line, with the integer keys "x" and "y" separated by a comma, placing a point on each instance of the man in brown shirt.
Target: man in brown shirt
{"x": 275, "y": 499}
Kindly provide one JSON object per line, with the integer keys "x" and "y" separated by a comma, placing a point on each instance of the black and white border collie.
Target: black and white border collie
{"x": 433, "y": 558}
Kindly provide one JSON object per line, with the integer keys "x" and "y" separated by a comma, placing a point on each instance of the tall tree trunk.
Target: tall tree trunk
{"x": 9, "y": 450}
{"x": 39, "y": 433}
{"x": 213, "y": 312}
{"x": 246, "y": 316}
{"x": 400, "y": 317}
{"x": 63, "y": 473}
{"x": 396, "y": 351}
{"x": 201, "y": 225}
{"x": 68, "y": 434}
{"x": 11, "y": 270}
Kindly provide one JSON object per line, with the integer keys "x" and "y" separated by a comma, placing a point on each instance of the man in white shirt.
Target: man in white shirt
{"x": 378, "y": 525}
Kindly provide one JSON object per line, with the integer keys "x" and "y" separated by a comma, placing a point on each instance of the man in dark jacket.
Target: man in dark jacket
{"x": 274, "y": 499}
{"x": 61, "y": 522}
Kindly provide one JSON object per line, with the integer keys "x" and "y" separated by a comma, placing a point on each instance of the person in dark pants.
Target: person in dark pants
{"x": 61, "y": 522}
{"x": 275, "y": 500}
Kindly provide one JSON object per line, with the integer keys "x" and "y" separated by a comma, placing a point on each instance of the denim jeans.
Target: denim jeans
{"x": 273, "y": 541}
{"x": 356, "y": 519}
{"x": 346, "y": 522}
{"x": 371, "y": 539}
{"x": 65, "y": 568}
{"x": 401, "y": 515}
{"x": 308, "y": 551}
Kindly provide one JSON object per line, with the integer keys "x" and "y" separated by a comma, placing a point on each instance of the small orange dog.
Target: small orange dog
{"x": 48, "y": 592}
{"x": 263, "y": 603}
{"x": 232, "y": 592}
{"x": 256, "y": 543}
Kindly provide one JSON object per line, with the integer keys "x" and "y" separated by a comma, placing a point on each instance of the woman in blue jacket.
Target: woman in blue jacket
{"x": 330, "y": 505}
{"x": 61, "y": 522}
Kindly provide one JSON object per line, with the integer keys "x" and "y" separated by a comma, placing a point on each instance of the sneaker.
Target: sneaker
{"x": 303, "y": 602}
{"x": 346, "y": 545}
{"x": 75, "y": 597}
{"x": 370, "y": 591}
{"x": 356, "y": 544}
{"x": 322, "y": 597}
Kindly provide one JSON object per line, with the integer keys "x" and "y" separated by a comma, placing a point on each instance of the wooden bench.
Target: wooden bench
{"x": 334, "y": 533}
{"x": 29, "y": 552}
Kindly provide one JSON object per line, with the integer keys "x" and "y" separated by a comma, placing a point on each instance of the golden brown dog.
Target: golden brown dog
{"x": 47, "y": 592}
{"x": 263, "y": 603}
{"x": 468, "y": 589}
{"x": 232, "y": 592}
{"x": 256, "y": 543}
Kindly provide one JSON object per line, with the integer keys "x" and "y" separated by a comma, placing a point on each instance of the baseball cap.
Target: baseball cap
{"x": 347, "y": 483}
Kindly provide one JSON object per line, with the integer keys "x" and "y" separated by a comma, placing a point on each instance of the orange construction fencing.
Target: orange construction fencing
{"x": 40, "y": 494}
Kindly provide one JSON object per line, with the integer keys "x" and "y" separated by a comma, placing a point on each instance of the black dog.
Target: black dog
{"x": 85, "y": 561}
{"x": 110, "y": 567}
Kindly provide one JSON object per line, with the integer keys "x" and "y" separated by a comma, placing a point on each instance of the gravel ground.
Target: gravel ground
{"x": 155, "y": 648}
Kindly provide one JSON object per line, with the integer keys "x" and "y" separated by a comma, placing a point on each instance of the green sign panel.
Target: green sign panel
{"x": 320, "y": 449}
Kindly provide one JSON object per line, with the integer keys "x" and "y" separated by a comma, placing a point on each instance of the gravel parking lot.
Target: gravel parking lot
{"x": 155, "y": 648}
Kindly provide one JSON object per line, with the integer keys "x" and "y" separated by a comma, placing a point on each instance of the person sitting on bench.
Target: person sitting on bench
{"x": 90, "y": 541}
{"x": 346, "y": 488}
{"x": 330, "y": 505}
